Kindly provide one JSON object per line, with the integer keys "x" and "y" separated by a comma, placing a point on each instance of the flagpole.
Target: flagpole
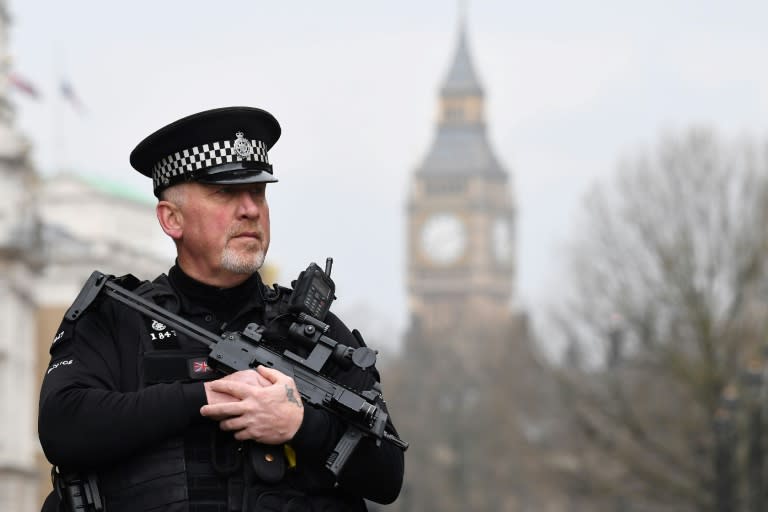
{"x": 60, "y": 148}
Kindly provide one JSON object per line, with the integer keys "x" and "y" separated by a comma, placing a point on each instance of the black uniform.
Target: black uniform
{"x": 122, "y": 396}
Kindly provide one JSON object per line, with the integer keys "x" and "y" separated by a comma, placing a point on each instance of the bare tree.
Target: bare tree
{"x": 667, "y": 315}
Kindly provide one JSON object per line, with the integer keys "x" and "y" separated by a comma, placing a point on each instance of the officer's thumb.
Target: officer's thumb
{"x": 270, "y": 374}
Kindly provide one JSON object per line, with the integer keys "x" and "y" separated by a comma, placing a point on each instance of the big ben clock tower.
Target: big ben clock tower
{"x": 460, "y": 215}
{"x": 468, "y": 381}
{"x": 469, "y": 385}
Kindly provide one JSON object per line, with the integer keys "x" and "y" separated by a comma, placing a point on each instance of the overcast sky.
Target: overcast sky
{"x": 571, "y": 88}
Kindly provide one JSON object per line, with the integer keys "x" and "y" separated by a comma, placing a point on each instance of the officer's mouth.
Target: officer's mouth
{"x": 249, "y": 234}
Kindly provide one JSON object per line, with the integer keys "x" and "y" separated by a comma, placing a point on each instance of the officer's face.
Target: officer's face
{"x": 223, "y": 231}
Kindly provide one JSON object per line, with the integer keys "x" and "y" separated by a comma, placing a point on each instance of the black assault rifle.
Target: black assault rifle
{"x": 361, "y": 411}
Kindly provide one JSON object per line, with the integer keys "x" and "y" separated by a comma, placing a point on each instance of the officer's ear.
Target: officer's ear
{"x": 169, "y": 213}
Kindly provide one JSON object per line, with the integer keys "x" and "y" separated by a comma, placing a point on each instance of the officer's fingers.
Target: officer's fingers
{"x": 249, "y": 377}
{"x": 246, "y": 435}
{"x": 272, "y": 375}
{"x": 222, "y": 411}
{"x": 232, "y": 387}
{"x": 237, "y": 423}
{"x": 211, "y": 414}
{"x": 214, "y": 397}
{"x": 242, "y": 435}
{"x": 263, "y": 380}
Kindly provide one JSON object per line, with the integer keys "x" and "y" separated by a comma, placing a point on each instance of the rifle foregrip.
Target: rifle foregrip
{"x": 396, "y": 441}
{"x": 344, "y": 448}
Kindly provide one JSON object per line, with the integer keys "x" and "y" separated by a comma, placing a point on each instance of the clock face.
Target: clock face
{"x": 443, "y": 238}
{"x": 502, "y": 241}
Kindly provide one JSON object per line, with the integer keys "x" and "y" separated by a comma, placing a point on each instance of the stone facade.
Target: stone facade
{"x": 85, "y": 226}
{"x": 53, "y": 233}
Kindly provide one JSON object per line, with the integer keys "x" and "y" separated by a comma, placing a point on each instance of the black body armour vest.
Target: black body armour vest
{"x": 206, "y": 469}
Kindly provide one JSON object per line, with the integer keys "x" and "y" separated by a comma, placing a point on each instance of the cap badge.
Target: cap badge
{"x": 242, "y": 146}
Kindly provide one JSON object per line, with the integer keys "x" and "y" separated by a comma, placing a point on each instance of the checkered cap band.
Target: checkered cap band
{"x": 169, "y": 169}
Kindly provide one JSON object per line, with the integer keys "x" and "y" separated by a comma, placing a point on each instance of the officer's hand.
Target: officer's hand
{"x": 270, "y": 414}
{"x": 247, "y": 376}
{"x": 214, "y": 397}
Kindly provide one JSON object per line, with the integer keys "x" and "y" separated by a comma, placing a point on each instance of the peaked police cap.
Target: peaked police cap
{"x": 224, "y": 145}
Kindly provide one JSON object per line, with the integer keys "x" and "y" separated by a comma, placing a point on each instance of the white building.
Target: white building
{"x": 46, "y": 255}
{"x": 53, "y": 234}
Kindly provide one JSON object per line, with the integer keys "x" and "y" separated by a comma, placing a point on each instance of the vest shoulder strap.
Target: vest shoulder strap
{"x": 276, "y": 302}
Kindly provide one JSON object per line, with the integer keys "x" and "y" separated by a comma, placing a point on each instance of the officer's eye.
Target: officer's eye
{"x": 255, "y": 192}
{"x": 258, "y": 191}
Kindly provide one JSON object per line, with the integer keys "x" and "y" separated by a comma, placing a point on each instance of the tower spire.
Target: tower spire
{"x": 463, "y": 8}
{"x": 460, "y": 147}
{"x": 462, "y": 78}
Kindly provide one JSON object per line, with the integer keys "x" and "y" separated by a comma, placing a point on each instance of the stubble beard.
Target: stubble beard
{"x": 247, "y": 261}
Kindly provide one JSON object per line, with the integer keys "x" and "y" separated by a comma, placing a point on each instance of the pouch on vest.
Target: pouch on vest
{"x": 266, "y": 461}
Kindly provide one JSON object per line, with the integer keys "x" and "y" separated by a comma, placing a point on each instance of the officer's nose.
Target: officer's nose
{"x": 249, "y": 205}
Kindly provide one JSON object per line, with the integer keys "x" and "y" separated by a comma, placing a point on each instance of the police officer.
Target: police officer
{"x": 129, "y": 408}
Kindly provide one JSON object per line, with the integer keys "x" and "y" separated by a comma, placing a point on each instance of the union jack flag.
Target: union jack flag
{"x": 201, "y": 367}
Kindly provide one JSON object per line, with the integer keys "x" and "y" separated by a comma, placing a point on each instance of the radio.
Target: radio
{"x": 313, "y": 291}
